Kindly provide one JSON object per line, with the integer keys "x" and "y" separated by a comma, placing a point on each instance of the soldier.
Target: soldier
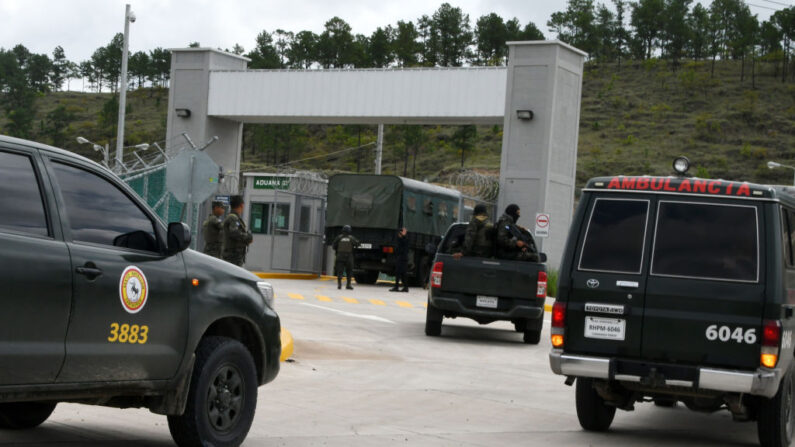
{"x": 513, "y": 241}
{"x": 236, "y": 236}
{"x": 480, "y": 234}
{"x": 343, "y": 246}
{"x": 401, "y": 261}
{"x": 211, "y": 228}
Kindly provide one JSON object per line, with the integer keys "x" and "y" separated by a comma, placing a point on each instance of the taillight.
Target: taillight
{"x": 771, "y": 340}
{"x": 388, "y": 249}
{"x": 558, "y": 324}
{"x": 541, "y": 289}
{"x": 436, "y": 275}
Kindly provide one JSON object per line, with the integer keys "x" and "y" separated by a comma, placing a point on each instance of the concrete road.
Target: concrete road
{"x": 364, "y": 374}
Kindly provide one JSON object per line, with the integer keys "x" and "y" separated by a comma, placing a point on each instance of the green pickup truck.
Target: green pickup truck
{"x": 103, "y": 304}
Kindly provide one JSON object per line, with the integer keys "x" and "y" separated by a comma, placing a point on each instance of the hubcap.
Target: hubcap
{"x": 225, "y": 398}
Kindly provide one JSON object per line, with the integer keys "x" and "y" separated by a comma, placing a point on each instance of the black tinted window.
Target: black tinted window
{"x": 700, "y": 240}
{"x": 99, "y": 212}
{"x": 20, "y": 197}
{"x": 454, "y": 241}
{"x": 614, "y": 240}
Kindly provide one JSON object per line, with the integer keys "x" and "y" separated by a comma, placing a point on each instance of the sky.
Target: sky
{"x": 81, "y": 26}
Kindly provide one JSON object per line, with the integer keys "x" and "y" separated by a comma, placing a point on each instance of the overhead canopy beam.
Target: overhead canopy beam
{"x": 394, "y": 96}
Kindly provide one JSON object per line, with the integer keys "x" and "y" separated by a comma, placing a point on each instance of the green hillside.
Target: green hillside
{"x": 635, "y": 119}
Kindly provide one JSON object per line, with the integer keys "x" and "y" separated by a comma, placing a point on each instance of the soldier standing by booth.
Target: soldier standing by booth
{"x": 236, "y": 236}
{"x": 343, "y": 246}
{"x": 212, "y": 229}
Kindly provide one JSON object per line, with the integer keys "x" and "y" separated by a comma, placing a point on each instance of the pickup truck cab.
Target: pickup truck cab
{"x": 485, "y": 289}
{"x": 679, "y": 289}
{"x": 103, "y": 304}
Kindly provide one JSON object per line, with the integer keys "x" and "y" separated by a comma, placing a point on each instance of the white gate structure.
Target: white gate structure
{"x": 536, "y": 99}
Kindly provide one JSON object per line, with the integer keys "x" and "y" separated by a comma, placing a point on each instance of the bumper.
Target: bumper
{"x": 454, "y": 305}
{"x": 272, "y": 348}
{"x": 762, "y": 382}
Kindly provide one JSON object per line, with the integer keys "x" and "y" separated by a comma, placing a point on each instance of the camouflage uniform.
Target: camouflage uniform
{"x": 508, "y": 233}
{"x": 343, "y": 245}
{"x": 479, "y": 237}
{"x": 236, "y": 239}
{"x": 211, "y": 228}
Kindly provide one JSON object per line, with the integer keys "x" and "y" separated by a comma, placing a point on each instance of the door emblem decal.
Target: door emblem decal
{"x": 592, "y": 283}
{"x": 133, "y": 289}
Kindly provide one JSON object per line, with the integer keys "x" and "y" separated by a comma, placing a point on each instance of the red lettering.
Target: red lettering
{"x": 614, "y": 184}
{"x": 713, "y": 187}
{"x": 744, "y": 190}
{"x": 642, "y": 183}
{"x": 668, "y": 186}
{"x": 628, "y": 183}
{"x": 657, "y": 184}
{"x": 729, "y": 187}
{"x": 685, "y": 186}
{"x": 700, "y": 186}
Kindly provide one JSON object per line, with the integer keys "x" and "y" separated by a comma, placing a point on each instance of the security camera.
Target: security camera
{"x": 132, "y": 17}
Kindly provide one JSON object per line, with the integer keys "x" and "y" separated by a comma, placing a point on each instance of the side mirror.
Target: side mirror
{"x": 542, "y": 257}
{"x": 178, "y": 237}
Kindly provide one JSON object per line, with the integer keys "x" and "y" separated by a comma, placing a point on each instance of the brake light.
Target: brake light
{"x": 387, "y": 249}
{"x": 436, "y": 275}
{"x": 541, "y": 289}
{"x": 771, "y": 340}
{"x": 558, "y": 324}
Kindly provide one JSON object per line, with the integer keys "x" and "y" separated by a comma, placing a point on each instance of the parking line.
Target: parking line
{"x": 295, "y": 296}
{"x": 350, "y": 300}
{"x": 323, "y": 298}
{"x": 378, "y": 302}
{"x": 403, "y": 304}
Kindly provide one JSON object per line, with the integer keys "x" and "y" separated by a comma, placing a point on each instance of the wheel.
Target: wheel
{"x": 368, "y": 277}
{"x": 420, "y": 272}
{"x": 593, "y": 413}
{"x": 532, "y": 337}
{"x": 22, "y": 415}
{"x": 520, "y": 325}
{"x": 433, "y": 321}
{"x": 775, "y": 416}
{"x": 222, "y": 397}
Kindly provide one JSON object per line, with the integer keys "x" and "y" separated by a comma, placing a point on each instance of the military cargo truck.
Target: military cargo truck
{"x": 376, "y": 206}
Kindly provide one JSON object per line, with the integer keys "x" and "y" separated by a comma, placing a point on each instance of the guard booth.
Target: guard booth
{"x": 286, "y": 215}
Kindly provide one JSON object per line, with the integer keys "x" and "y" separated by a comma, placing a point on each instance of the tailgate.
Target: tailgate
{"x": 492, "y": 277}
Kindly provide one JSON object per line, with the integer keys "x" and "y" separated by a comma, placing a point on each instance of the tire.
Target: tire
{"x": 433, "y": 321}
{"x": 532, "y": 337}
{"x": 593, "y": 413}
{"x": 520, "y": 325}
{"x": 420, "y": 272}
{"x": 225, "y": 370}
{"x": 366, "y": 277}
{"x": 23, "y": 415}
{"x": 775, "y": 418}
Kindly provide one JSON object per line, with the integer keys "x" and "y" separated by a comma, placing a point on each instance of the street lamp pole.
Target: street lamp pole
{"x": 129, "y": 16}
{"x": 774, "y": 165}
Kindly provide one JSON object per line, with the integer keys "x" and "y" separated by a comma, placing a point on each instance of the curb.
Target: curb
{"x": 288, "y": 345}
{"x": 274, "y": 275}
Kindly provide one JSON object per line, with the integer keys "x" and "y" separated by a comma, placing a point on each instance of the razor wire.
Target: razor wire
{"x": 477, "y": 186}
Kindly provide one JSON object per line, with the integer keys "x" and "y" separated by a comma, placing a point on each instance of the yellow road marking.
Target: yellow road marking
{"x": 378, "y": 302}
{"x": 350, "y": 300}
{"x": 403, "y": 304}
{"x": 323, "y": 298}
{"x": 425, "y": 304}
{"x": 295, "y": 296}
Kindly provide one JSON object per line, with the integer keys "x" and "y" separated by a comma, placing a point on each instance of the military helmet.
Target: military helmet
{"x": 346, "y": 229}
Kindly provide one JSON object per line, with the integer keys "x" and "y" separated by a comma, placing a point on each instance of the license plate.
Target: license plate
{"x": 487, "y": 301}
{"x": 365, "y": 246}
{"x": 605, "y": 328}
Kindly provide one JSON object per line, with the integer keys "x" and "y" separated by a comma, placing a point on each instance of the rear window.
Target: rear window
{"x": 454, "y": 241}
{"x": 706, "y": 241}
{"x": 615, "y": 235}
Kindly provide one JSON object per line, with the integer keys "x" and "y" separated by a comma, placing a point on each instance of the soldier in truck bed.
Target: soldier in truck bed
{"x": 513, "y": 242}
{"x": 343, "y": 246}
{"x": 479, "y": 239}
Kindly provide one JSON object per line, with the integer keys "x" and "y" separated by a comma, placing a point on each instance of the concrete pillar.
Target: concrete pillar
{"x": 190, "y": 89}
{"x": 539, "y": 156}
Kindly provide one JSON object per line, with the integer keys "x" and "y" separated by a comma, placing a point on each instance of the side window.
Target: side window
{"x": 306, "y": 218}
{"x": 615, "y": 236}
{"x": 100, "y": 213}
{"x": 454, "y": 241}
{"x": 706, "y": 241}
{"x": 260, "y": 213}
{"x": 791, "y": 236}
{"x": 786, "y": 243}
{"x": 281, "y": 218}
{"x": 20, "y": 197}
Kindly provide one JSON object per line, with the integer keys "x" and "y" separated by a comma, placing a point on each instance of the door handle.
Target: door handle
{"x": 89, "y": 272}
{"x": 627, "y": 284}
